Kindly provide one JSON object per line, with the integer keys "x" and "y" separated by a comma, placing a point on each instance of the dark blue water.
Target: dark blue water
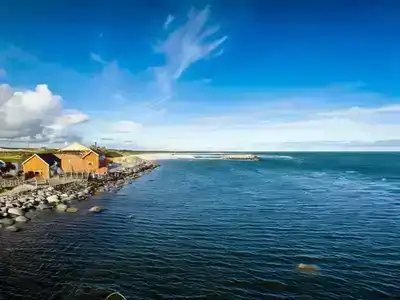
{"x": 219, "y": 229}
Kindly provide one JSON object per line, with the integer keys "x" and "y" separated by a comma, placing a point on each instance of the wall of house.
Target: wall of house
{"x": 35, "y": 164}
{"x": 92, "y": 161}
{"x": 72, "y": 163}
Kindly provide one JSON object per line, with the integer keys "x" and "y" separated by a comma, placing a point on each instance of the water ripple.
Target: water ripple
{"x": 216, "y": 230}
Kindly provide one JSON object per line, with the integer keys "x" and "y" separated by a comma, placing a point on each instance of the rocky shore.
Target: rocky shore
{"x": 26, "y": 201}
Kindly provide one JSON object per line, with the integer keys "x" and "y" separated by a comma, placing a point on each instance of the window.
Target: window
{"x": 90, "y": 163}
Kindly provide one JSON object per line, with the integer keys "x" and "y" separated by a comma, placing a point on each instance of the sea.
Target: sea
{"x": 218, "y": 229}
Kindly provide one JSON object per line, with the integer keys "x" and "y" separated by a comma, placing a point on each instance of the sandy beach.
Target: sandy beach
{"x": 164, "y": 156}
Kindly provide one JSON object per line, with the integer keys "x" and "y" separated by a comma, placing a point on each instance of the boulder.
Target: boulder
{"x": 22, "y": 188}
{"x": 21, "y": 219}
{"x": 66, "y": 199}
{"x": 7, "y": 222}
{"x": 31, "y": 214}
{"x": 16, "y": 211}
{"x": 72, "y": 209}
{"x": 95, "y": 209}
{"x": 307, "y": 268}
{"x": 17, "y": 203}
{"x": 53, "y": 199}
{"x": 43, "y": 206}
{"x": 12, "y": 228}
{"x": 50, "y": 188}
{"x": 61, "y": 207}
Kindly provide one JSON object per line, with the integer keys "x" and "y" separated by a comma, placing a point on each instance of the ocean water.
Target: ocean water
{"x": 215, "y": 229}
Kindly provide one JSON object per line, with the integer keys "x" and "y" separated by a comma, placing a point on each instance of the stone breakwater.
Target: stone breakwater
{"x": 240, "y": 157}
{"x": 17, "y": 208}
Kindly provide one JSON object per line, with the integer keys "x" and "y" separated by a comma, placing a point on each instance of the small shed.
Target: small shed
{"x": 91, "y": 158}
{"x": 41, "y": 165}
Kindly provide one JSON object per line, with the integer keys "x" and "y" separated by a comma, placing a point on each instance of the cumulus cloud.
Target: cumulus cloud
{"x": 34, "y": 115}
{"x": 192, "y": 42}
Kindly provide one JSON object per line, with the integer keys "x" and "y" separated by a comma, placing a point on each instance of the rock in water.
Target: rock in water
{"x": 22, "y": 219}
{"x": 12, "y": 228}
{"x": 308, "y": 268}
{"x": 15, "y": 211}
{"x": 95, "y": 209}
{"x": 61, "y": 207}
{"x": 31, "y": 214}
{"x": 53, "y": 199}
{"x": 7, "y": 221}
{"x": 72, "y": 209}
{"x": 43, "y": 206}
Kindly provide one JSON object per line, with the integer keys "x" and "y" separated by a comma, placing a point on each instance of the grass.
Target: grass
{"x": 12, "y": 158}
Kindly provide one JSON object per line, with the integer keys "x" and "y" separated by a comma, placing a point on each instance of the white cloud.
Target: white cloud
{"x": 97, "y": 58}
{"x": 362, "y": 111}
{"x": 338, "y": 132}
{"x": 34, "y": 115}
{"x": 126, "y": 127}
{"x": 168, "y": 21}
{"x": 275, "y": 125}
{"x": 183, "y": 47}
{"x": 68, "y": 118}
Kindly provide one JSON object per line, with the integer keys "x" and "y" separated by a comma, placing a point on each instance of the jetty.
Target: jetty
{"x": 240, "y": 157}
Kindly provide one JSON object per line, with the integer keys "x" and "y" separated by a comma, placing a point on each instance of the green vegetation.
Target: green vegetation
{"x": 14, "y": 156}
{"x": 108, "y": 152}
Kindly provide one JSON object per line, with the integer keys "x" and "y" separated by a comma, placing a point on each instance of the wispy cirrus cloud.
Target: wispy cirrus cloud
{"x": 357, "y": 111}
{"x": 97, "y": 58}
{"x": 168, "y": 21}
{"x": 193, "y": 41}
{"x": 125, "y": 127}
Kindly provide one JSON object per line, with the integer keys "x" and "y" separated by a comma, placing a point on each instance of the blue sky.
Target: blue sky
{"x": 203, "y": 75}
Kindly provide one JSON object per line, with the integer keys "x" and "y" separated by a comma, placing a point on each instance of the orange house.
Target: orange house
{"x": 39, "y": 165}
{"x": 89, "y": 162}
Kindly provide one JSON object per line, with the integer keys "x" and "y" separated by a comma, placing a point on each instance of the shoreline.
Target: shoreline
{"x": 26, "y": 201}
